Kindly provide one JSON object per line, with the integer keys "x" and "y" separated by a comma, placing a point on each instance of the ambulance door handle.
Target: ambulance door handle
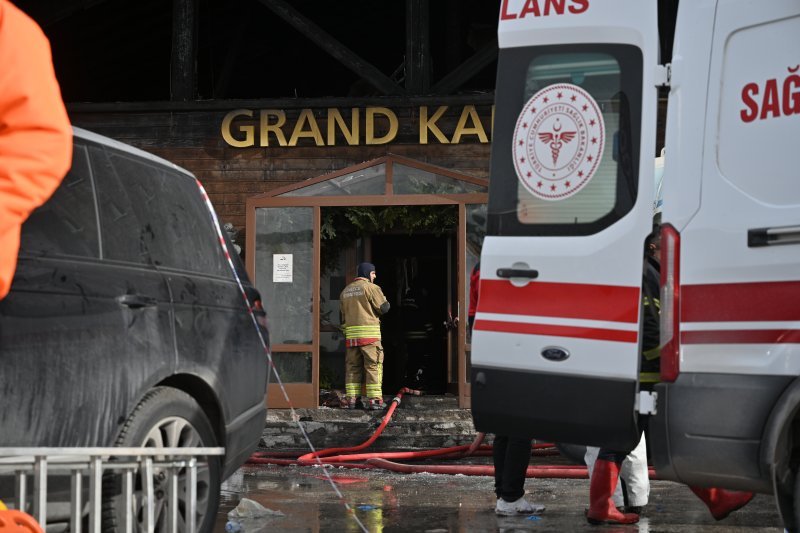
{"x": 517, "y": 273}
{"x": 771, "y": 236}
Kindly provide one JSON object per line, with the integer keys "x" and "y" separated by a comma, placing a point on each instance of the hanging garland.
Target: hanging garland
{"x": 342, "y": 225}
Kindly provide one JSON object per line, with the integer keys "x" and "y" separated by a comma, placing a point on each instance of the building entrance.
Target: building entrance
{"x": 414, "y": 275}
{"x": 290, "y": 235}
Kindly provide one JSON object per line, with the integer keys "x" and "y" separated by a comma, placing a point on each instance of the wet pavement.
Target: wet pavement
{"x": 391, "y": 502}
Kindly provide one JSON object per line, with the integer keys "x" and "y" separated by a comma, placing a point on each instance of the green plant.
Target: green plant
{"x": 340, "y": 226}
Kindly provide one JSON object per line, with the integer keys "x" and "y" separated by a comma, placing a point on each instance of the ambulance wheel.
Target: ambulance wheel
{"x": 573, "y": 452}
{"x": 166, "y": 418}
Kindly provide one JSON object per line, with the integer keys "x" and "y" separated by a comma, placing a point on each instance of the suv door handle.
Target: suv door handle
{"x": 136, "y": 301}
{"x": 517, "y": 273}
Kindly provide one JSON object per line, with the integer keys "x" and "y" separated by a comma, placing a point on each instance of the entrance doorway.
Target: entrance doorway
{"x": 300, "y": 284}
{"x": 414, "y": 275}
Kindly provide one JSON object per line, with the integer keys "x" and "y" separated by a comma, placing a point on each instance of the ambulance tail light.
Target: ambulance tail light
{"x": 670, "y": 303}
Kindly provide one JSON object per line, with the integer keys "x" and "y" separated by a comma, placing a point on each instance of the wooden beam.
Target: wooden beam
{"x": 466, "y": 70}
{"x": 486, "y": 98}
{"x": 417, "y": 47}
{"x": 183, "y": 73}
{"x": 329, "y": 44}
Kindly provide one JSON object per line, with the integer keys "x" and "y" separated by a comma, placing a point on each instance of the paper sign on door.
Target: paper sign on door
{"x": 281, "y": 268}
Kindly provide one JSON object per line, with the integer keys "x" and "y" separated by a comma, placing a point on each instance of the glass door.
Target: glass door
{"x": 474, "y": 230}
{"x": 285, "y": 268}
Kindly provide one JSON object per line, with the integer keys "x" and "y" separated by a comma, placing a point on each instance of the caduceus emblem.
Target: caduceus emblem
{"x": 556, "y": 139}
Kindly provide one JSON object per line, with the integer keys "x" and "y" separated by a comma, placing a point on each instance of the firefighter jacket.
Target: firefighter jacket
{"x": 35, "y": 135}
{"x": 651, "y": 312}
{"x": 362, "y": 302}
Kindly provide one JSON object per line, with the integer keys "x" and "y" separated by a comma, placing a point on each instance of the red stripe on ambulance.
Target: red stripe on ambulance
{"x": 556, "y": 331}
{"x": 608, "y": 303}
{"x": 750, "y": 336}
{"x": 741, "y": 302}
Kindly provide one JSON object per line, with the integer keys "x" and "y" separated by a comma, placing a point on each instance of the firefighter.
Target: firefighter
{"x": 606, "y": 472}
{"x": 35, "y": 135}
{"x": 362, "y": 302}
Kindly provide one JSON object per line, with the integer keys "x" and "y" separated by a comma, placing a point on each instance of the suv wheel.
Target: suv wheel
{"x": 166, "y": 418}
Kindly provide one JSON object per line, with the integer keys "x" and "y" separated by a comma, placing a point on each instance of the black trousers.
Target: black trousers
{"x": 511, "y": 458}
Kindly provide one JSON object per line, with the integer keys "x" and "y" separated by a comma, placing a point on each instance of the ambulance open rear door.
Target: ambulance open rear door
{"x": 556, "y": 337}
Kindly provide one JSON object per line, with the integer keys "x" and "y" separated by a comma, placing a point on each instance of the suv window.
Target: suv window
{"x": 166, "y": 211}
{"x": 566, "y": 143}
{"x": 67, "y": 223}
{"x": 124, "y": 236}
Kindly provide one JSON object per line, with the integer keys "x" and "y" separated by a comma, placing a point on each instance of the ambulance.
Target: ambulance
{"x": 556, "y": 340}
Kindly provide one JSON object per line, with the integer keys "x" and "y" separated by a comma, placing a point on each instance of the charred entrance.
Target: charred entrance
{"x": 413, "y": 273}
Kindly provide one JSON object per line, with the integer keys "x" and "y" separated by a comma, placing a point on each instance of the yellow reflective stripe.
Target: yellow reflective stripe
{"x": 652, "y": 353}
{"x": 649, "y": 377}
{"x": 656, "y": 302}
{"x": 362, "y": 332}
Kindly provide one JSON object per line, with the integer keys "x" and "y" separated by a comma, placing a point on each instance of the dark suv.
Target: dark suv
{"x": 125, "y": 324}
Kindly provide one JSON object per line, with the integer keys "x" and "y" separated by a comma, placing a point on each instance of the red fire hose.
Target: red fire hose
{"x": 345, "y": 458}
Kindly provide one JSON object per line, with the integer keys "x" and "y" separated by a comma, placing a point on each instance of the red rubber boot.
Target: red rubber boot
{"x": 720, "y": 502}
{"x": 601, "y": 488}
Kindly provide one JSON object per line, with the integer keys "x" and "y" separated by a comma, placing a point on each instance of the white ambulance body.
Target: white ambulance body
{"x": 557, "y": 335}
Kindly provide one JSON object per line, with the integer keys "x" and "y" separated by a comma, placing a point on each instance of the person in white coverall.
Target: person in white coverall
{"x": 634, "y": 473}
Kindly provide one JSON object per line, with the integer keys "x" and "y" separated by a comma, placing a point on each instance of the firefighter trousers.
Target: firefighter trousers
{"x": 361, "y": 360}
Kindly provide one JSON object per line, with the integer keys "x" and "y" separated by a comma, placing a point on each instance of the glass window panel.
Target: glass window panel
{"x": 331, "y": 339}
{"x": 293, "y": 367}
{"x": 123, "y": 231}
{"x": 67, "y": 223}
{"x": 286, "y": 231}
{"x": 369, "y": 181}
{"x": 150, "y": 213}
{"x": 410, "y": 180}
{"x": 611, "y": 76}
{"x": 177, "y": 222}
{"x": 601, "y": 75}
{"x": 476, "y": 231}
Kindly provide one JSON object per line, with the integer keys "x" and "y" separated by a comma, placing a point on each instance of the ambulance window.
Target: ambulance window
{"x": 566, "y": 141}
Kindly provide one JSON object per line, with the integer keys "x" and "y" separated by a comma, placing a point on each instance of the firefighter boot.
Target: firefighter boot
{"x": 376, "y": 404}
{"x": 601, "y": 488}
{"x": 720, "y": 502}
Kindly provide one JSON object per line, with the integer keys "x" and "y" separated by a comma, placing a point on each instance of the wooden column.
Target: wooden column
{"x": 183, "y": 71}
{"x": 418, "y": 76}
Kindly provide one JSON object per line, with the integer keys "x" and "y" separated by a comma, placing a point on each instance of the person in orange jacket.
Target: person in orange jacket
{"x": 35, "y": 134}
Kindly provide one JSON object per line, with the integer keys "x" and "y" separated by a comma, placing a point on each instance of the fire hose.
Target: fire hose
{"x": 345, "y": 457}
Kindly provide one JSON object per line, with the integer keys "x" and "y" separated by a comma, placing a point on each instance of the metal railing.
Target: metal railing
{"x": 93, "y": 463}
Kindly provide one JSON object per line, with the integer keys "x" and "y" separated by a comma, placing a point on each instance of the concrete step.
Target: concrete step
{"x": 417, "y": 423}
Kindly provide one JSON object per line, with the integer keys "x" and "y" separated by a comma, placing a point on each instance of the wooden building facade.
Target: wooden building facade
{"x": 260, "y": 97}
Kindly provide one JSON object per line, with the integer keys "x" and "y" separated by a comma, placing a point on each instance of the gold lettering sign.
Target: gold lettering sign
{"x": 390, "y": 135}
{"x": 249, "y": 134}
{"x": 368, "y": 126}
